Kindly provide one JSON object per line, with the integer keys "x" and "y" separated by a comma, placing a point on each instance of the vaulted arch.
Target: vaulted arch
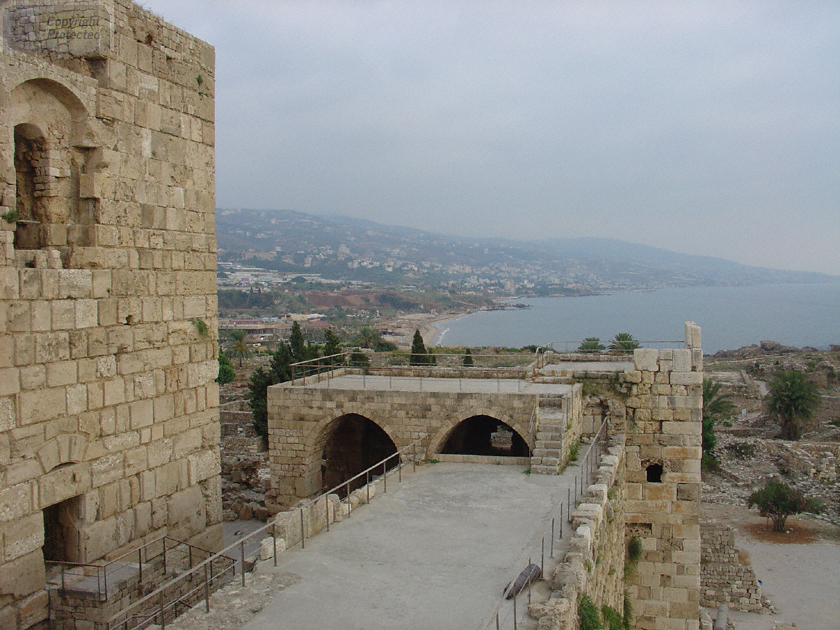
{"x": 350, "y": 444}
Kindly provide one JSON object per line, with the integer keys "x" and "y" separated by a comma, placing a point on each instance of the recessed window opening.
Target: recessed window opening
{"x": 654, "y": 473}
{"x": 28, "y": 147}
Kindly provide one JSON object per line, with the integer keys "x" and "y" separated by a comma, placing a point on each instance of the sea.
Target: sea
{"x": 730, "y": 317}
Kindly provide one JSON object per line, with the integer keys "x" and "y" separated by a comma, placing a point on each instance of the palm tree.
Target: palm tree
{"x": 716, "y": 407}
{"x": 591, "y": 345}
{"x": 239, "y": 348}
{"x": 368, "y": 337}
{"x": 792, "y": 400}
{"x": 623, "y": 342}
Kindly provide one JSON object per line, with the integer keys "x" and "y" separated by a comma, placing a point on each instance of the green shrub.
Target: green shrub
{"x": 588, "y": 616}
{"x": 573, "y": 451}
{"x": 777, "y": 500}
{"x": 612, "y": 619}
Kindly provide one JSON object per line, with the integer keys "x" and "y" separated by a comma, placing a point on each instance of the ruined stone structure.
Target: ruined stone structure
{"x": 724, "y": 579}
{"x": 648, "y": 490}
{"x": 108, "y": 407}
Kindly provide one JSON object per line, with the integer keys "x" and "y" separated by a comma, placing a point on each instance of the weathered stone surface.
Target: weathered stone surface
{"x": 88, "y": 416}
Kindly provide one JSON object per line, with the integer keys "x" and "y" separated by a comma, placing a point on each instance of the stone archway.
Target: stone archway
{"x": 349, "y": 445}
{"x": 484, "y": 435}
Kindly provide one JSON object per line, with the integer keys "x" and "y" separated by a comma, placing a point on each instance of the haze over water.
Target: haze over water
{"x": 730, "y": 317}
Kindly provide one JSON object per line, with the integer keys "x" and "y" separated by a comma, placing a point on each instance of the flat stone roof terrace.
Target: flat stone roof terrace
{"x": 436, "y": 384}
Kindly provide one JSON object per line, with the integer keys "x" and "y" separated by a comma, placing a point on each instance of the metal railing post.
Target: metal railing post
{"x": 514, "y": 613}
{"x": 367, "y": 485}
{"x": 162, "y": 616}
{"x": 274, "y": 541}
{"x": 384, "y": 477}
{"x": 140, "y": 564}
{"x": 542, "y": 554}
{"x": 302, "y": 531}
{"x": 242, "y": 556}
{"x": 206, "y": 589}
{"x": 551, "y": 552}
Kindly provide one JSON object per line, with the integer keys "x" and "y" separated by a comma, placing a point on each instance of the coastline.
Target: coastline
{"x": 401, "y": 330}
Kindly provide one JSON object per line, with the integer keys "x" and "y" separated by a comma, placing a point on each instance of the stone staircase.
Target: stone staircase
{"x": 547, "y": 456}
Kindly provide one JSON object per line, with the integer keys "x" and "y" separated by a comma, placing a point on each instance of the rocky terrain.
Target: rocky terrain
{"x": 748, "y": 451}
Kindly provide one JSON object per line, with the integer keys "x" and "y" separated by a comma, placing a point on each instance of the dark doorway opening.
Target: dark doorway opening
{"x": 61, "y": 536}
{"x": 354, "y": 445}
{"x": 484, "y": 435}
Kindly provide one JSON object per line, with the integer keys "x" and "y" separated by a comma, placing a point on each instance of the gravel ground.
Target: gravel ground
{"x": 800, "y": 571}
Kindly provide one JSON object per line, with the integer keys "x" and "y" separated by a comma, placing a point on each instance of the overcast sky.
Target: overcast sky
{"x": 702, "y": 127}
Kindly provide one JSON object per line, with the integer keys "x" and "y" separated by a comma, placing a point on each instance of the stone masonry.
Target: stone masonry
{"x": 302, "y": 417}
{"x": 723, "y": 578}
{"x": 109, "y": 426}
{"x": 664, "y": 417}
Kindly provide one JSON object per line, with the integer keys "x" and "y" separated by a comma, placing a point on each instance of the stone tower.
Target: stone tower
{"x": 663, "y": 443}
{"x": 108, "y": 407}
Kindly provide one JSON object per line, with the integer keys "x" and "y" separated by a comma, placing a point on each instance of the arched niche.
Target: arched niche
{"x": 53, "y": 141}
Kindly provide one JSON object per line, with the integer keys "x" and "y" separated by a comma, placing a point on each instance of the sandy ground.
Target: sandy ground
{"x": 799, "y": 571}
{"x": 429, "y": 326}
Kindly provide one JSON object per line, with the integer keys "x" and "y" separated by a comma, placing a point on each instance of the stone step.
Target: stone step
{"x": 551, "y": 444}
{"x": 548, "y": 437}
{"x": 539, "y": 469}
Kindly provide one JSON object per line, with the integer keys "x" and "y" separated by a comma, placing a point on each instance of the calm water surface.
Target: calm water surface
{"x": 730, "y": 317}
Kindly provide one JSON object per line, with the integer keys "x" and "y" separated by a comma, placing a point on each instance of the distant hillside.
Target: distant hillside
{"x": 356, "y": 249}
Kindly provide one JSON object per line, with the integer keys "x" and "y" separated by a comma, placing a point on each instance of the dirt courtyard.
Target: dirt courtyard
{"x": 799, "y": 571}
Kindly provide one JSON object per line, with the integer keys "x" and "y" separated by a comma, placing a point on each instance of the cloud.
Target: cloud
{"x": 695, "y": 126}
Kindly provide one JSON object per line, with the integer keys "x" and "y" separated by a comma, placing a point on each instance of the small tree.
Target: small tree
{"x": 226, "y": 371}
{"x": 623, "y": 342}
{"x": 777, "y": 500}
{"x": 716, "y": 407}
{"x": 419, "y": 355}
{"x": 591, "y": 345}
{"x": 468, "y": 360}
{"x": 239, "y": 348}
{"x": 332, "y": 346}
{"x": 258, "y": 398}
{"x": 792, "y": 400}
{"x": 297, "y": 343}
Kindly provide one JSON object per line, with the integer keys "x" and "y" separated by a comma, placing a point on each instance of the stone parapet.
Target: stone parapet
{"x": 593, "y": 564}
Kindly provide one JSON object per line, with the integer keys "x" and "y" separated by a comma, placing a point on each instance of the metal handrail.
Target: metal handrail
{"x": 126, "y": 613}
{"x": 102, "y": 568}
{"x": 587, "y": 467}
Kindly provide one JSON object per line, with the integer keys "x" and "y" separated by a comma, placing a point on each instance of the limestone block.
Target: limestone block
{"x": 38, "y": 406}
{"x": 267, "y": 546}
{"x": 23, "y": 575}
{"x": 107, "y": 469}
{"x": 682, "y": 360}
{"x": 646, "y": 359}
{"x": 22, "y": 537}
{"x": 203, "y": 466}
{"x": 7, "y": 414}
{"x": 186, "y": 513}
{"x": 692, "y": 335}
{"x": 687, "y": 378}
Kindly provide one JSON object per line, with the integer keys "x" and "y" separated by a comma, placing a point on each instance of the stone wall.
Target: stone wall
{"x": 108, "y": 407}
{"x": 300, "y": 420}
{"x": 723, "y": 578}
{"x": 594, "y": 561}
{"x": 664, "y": 417}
